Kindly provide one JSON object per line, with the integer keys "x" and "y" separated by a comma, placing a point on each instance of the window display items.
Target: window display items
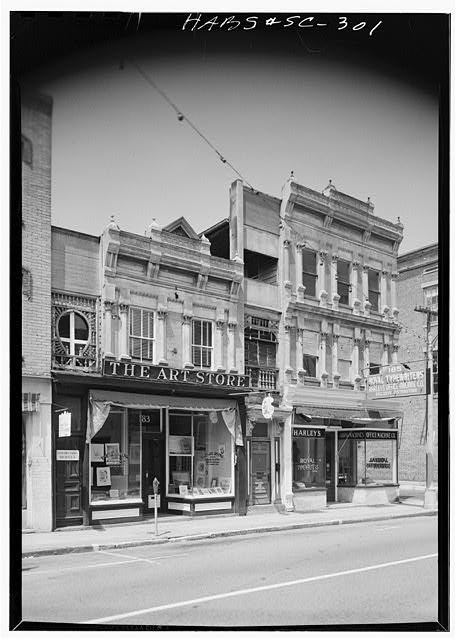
{"x": 308, "y": 459}
{"x": 112, "y": 453}
{"x": 103, "y": 476}
{"x": 97, "y": 452}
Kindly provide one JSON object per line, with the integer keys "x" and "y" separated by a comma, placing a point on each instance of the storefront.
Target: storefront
{"x": 185, "y": 430}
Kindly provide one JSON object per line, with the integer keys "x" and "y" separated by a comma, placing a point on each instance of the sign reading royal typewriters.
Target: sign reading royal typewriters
{"x": 114, "y": 368}
{"x": 307, "y": 432}
{"x": 396, "y": 381}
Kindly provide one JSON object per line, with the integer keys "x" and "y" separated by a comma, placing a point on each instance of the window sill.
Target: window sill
{"x": 309, "y": 489}
{"x": 190, "y": 498}
{"x": 115, "y": 501}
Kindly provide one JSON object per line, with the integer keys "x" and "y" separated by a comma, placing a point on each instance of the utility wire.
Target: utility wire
{"x": 182, "y": 117}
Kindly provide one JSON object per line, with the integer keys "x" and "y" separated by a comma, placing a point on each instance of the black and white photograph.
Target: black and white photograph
{"x": 233, "y": 233}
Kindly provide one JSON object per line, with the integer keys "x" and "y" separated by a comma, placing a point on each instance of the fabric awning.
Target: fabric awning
{"x": 355, "y": 414}
{"x": 30, "y": 402}
{"x": 101, "y": 401}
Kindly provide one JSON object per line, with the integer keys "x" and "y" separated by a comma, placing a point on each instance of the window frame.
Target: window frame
{"x": 72, "y": 341}
{"x": 371, "y": 290}
{"x": 341, "y": 284}
{"x": 429, "y": 289}
{"x": 205, "y": 348}
{"x": 315, "y": 359}
{"x": 142, "y": 338}
{"x": 310, "y": 274}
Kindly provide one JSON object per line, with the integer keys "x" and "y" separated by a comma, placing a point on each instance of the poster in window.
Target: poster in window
{"x": 103, "y": 476}
{"x": 180, "y": 445}
{"x": 112, "y": 453}
{"x": 97, "y": 452}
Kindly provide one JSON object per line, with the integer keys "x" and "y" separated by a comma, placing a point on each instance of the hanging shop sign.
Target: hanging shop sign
{"x": 266, "y": 407}
{"x": 307, "y": 432}
{"x": 367, "y": 435}
{"x": 114, "y": 368}
{"x": 64, "y": 424}
{"x": 396, "y": 381}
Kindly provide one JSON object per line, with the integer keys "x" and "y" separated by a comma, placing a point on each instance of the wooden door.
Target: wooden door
{"x": 261, "y": 471}
{"x": 152, "y": 467}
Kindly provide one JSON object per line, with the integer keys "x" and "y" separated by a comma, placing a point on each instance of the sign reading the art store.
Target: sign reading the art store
{"x": 153, "y": 373}
{"x": 395, "y": 381}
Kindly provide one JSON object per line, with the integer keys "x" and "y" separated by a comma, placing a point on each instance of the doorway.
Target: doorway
{"x": 152, "y": 467}
{"x": 261, "y": 471}
{"x": 330, "y": 466}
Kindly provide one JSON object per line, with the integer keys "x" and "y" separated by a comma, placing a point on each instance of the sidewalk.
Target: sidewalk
{"x": 179, "y": 528}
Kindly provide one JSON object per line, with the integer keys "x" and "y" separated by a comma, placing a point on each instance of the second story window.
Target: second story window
{"x": 202, "y": 344}
{"x": 431, "y": 298}
{"x": 141, "y": 338}
{"x": 373, "y": 280}
{"x": 343, "y": 281}
{"x": 309, "y": 364}
{"x": 73, "y": 332}
{"x": 309, "y": 272}
{"x": 435, "y": 371}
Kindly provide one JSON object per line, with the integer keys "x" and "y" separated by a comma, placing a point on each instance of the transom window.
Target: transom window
{"x": 202, "y": 344}
{"x": 343, "y": 281}
{"x": 309, "y": 272}
{"x": 73, "y": 332}
{"x": 142, "y": 336}
{"x": 373, "y": 280}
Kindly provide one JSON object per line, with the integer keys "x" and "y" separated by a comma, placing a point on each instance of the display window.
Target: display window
{"x": 308, "y": 458}
{"x": 200, "y": 454}
{"x": 115, "y": 458}
{"x": 367, "y": 457}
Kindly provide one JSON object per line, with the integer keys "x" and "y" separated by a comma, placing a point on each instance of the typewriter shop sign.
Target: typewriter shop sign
{"x": 396, "y": 381}
{"x": 116, "y": 369}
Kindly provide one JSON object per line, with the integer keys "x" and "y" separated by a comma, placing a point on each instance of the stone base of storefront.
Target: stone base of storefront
{"x": 368, "y": 495}
{"x": 194, "y": 508}
{"x": 310, "y": 500}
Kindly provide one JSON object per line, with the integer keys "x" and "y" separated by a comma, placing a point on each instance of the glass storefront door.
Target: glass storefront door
{"x": 261, "y": 471}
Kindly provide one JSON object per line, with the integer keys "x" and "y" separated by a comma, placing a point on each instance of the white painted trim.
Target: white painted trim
{"x": 212, "y": 506}
{"x": 115, "y": 513}
{"x": 179, "y": 506}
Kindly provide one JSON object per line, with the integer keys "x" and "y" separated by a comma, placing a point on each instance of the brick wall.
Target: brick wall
{"x": 415, "y": 269}
{"x": 36, "y": 236}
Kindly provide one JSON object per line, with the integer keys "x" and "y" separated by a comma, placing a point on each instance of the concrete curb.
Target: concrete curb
{"x": 218, "y": 534}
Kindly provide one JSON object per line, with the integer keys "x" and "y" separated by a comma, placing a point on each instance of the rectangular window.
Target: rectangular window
{"x": 309, "y": 364}
{"x": 202, "y": 345}
{"x": 308, "y": 463}
{"x": 431, "y": 298}
{"x": 373, "y": 279}
{"x": 367, "y": 458}
{"x": 142, "y": 336}
{"x": 435, "y": 371}
{"x": 309, "y": 272}
{"x": 343, "y": 281}
{"x": 200, "y": 454}
{"x": 115, "y": 466}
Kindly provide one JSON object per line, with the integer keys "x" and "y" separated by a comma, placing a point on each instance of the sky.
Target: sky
{"x": 269, "y": 107}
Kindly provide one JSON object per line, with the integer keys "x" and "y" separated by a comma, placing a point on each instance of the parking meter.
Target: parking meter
{"x": 155, "y": 485}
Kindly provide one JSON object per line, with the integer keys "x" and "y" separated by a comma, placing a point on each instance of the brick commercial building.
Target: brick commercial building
{"x": 36, "y": 112}
{"x": 418, "y": 286}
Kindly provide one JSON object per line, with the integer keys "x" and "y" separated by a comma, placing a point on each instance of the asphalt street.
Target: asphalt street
{"x": 364, "y": 573}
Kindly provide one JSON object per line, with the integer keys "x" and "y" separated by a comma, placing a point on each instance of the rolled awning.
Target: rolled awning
{"x": 355, "y": 414}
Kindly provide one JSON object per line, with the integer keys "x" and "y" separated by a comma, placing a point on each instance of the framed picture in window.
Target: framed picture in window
{"x": 103, "y": 476}
{"x": 112, "y": 453}
{"x": 97, "y": 452}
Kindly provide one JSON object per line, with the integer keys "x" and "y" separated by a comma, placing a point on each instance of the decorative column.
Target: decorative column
{"x": 395, "y": 310}
{"x": 123, "y": 333}
{"x": 108, "y": 329}
{"x": 219, "y": 326}
{"x": 300, "y": 288}
{"x": 367, "y": 305}
{"x": 161, "y": 336}
{"x": 355, "y": 363}
{"x": 322, "y": 360}
{"x": 186, "y": 341}
{"x": 287, "y": 482}
{"x": 383, "y": 294}
{"x": 300, "y": 354}
{"x": 366, "y": 356}
{"x": 335, "y": 361}
{"x": 335, "y": 296}
{"x": 323, "y": 294}
{"x": 394, "y": 355}
{"x": 385, "y": 352}
{"x": 286, "y": 348}
{"x": 231, "y": 347}
{"x": 355, "y": 301}
{"x": 286, "y": 263}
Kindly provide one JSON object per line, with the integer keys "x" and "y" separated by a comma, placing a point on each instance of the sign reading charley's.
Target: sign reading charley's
{"x": 396, "y": 381}
{"x": 115, "y": 368}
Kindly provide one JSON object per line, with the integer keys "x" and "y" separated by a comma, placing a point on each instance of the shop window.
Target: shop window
{"x": 367, "y": 458}
{"x": 431, "y": 298}
{"x": 260, "y": 267}
{"x": 343, "y": 281}
{"x": 309, "y": 364}
{"x": 202, "y": 346}
{"x": 142, "y": 338}
{"x": 309, "y": 272}
{"x": 308, "y": 463}
{"x": 200, "y": 454}
{"x": 73, "y": 332}
{"x": 374, "y": 369}
{"x": 435, "y": 371}
{"x": 115, "y": 460}
{"x": 373, "y": 282}
{"x": 24, "y": 466}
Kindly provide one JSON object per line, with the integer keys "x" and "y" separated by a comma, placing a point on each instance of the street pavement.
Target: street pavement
{"x": 368, "y": 572}
{"x": 178, "y": 528}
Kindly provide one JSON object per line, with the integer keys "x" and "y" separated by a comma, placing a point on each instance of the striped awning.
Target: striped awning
{"x": 30, "y": 402}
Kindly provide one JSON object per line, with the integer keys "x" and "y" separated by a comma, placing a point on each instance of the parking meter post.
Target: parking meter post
{"x": 155, "y": 484}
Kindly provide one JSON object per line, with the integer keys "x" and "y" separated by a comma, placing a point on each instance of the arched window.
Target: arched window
{"x": 73, "y": 332}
